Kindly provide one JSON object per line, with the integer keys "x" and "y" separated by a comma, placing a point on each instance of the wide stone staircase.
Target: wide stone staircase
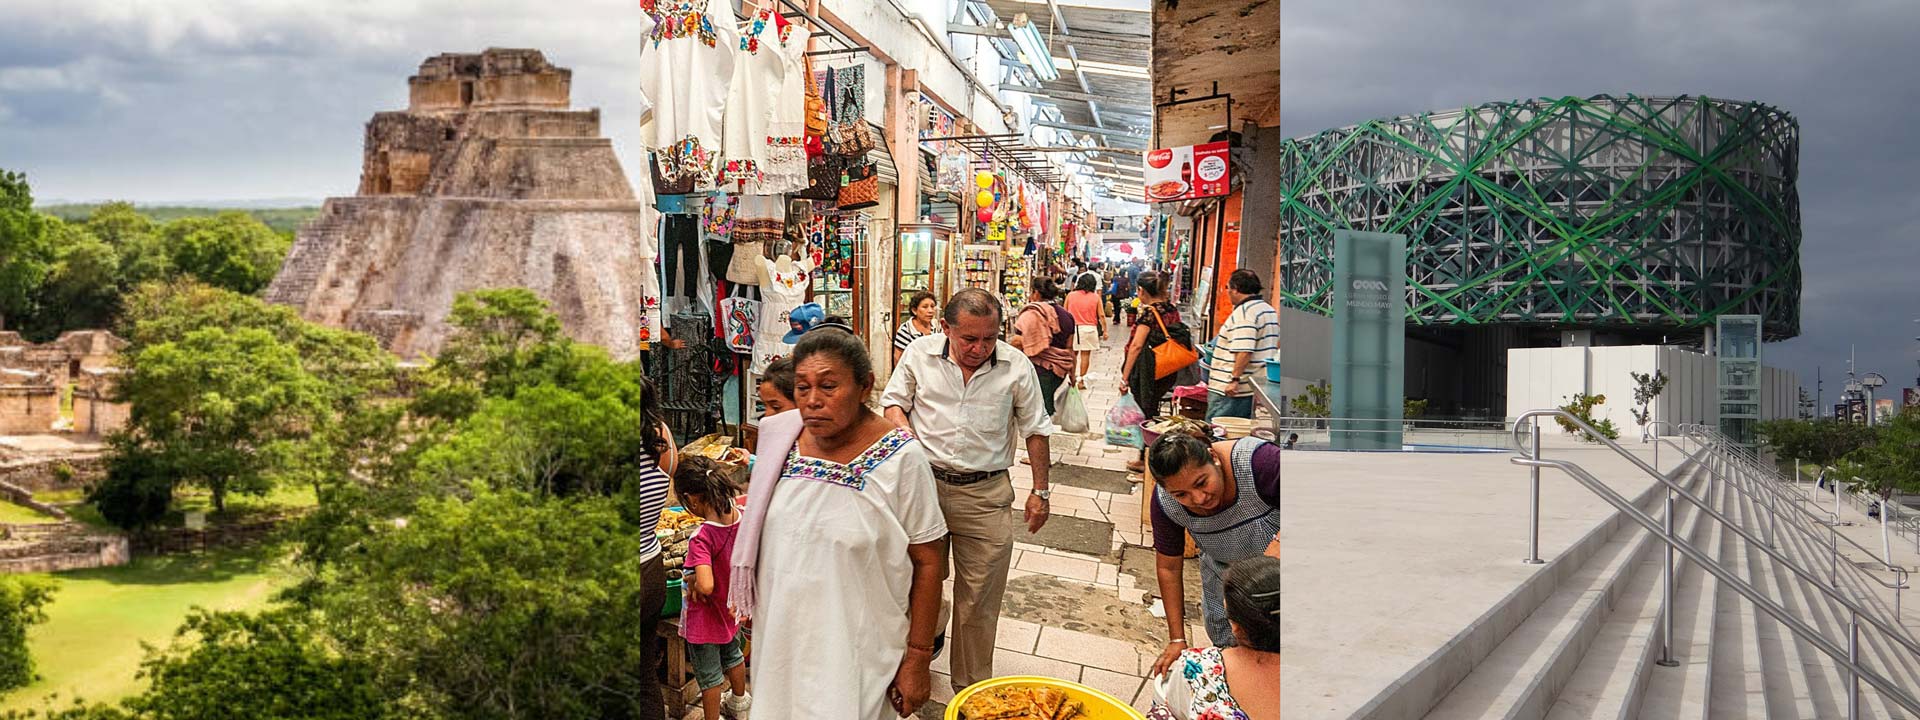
{"x": 1589, "y": 637}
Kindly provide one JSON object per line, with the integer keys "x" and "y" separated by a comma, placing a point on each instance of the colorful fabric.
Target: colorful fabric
{"x": 717, "y": 215}
{"x": 686, "y": 65}
{"x": 1199, "y": 679}
{"x": 709, "y": 621}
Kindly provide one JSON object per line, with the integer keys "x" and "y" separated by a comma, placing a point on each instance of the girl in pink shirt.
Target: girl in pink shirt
{"x": 712, "y": 632}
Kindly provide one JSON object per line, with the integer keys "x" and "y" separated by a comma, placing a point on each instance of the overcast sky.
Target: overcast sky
{"x": 154, "y": 100}
{"x": 1843, "y": 68}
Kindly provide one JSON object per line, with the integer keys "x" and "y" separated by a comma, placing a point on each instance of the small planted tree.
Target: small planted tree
{"x": 1646, "y": 388}
{"x": 22, "y": 603}
{"x": 1581, "y": 405}
{"x": 1314, "y": 404}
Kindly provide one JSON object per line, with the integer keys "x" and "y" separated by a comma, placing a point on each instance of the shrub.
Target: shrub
{"x": 1581, "y": 405}
{"x": 22, "y": 604}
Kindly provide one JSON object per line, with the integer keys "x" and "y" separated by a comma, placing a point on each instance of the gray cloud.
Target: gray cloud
{"x": 1839, "y": 67}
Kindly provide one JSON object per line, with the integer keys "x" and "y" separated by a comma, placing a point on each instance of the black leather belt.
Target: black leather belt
{"x": 953, "y": 477}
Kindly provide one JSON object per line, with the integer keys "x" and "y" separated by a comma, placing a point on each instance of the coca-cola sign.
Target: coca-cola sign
{"x": 1187, "y": 172}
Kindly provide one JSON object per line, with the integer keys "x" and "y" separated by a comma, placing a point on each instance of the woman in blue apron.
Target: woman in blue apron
{"x": 1227, "y": 496}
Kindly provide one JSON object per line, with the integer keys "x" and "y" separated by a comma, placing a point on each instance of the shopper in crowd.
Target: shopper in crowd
{"x": 776, "y": 387}
{"x": 838, "y": 559}
{"x": 1292, "y": 439}
{"x": 1249, "y": 337}
{"x": 712, "y": 633}
{"x": 1119, "y": 292}
{"x": 1089, "y": 324}
{"x": 1241, "y": 681}
{"x": 652, "y": 483}
{"x": 1081, "y": 270}
{"x": 969, "y": 397}
{"x": 1149, "y": 331}
{"x": 1044, "y": 332}
{"x": 1226, "y": 495}
{"x": 921, "y": 308}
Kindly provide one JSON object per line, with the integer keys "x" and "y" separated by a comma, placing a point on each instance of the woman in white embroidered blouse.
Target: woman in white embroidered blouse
{"x": 847, "y": 573}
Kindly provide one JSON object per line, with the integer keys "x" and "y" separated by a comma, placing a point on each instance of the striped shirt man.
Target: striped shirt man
{"x": 1253, "y": 327}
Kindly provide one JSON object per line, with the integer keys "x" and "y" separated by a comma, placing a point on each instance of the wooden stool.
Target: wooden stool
{"x": 681, "y": 688}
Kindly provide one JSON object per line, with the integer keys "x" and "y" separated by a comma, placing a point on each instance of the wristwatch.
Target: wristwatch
{"x": 1045, "y": 496}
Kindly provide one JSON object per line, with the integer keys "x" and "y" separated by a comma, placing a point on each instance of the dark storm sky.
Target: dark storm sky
{"x": 1844, "y": 69}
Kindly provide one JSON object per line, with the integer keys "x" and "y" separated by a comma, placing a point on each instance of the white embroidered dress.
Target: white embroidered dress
{"x": 780, "y": 295}
{"x": 833, "y": 579}
{"x": 687, "y": 59}
{"x": 765, "y": 126}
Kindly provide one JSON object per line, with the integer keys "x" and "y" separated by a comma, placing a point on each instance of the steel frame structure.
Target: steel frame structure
{"x": 1639, "y": 214}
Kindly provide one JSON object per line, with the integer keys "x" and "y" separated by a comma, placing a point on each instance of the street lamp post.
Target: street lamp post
{"x": 1870, "y": 381}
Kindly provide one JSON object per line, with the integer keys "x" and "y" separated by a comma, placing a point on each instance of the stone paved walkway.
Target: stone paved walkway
{"x": 1073, "y": 615}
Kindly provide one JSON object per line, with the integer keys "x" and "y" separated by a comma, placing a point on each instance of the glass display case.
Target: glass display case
{"x": 921, "y": 258}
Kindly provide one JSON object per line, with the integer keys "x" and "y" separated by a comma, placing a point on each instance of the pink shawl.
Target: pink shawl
{"x": 778, "y": 434}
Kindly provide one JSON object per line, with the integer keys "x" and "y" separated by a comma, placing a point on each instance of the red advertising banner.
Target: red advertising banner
{"x": 1187, "y": 172}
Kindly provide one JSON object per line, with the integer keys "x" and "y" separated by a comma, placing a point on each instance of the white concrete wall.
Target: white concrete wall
{"x": 1547, "y": 377}
{"x": 1306, "y": 351}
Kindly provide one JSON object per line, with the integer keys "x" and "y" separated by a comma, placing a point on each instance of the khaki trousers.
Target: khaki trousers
{"x": 980, "y": 539}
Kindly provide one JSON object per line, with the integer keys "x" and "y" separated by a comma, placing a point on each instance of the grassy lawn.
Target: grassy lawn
{"x": 12, "y": 513}
{"x": 90, "y": 644}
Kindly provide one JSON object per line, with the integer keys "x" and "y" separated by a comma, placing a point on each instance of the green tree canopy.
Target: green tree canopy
{"x": 499, "y": 606}
{"x": 24, "y": 251}
{"x": 1821, "y": 441}
{"x": 231, "y": 250}
{"x": 22, "y": 604}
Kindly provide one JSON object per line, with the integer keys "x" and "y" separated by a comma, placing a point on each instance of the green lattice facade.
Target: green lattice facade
{"x": 1635, "y": 214}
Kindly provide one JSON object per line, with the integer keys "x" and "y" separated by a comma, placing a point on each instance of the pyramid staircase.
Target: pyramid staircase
{"x": 1775, "y": 614}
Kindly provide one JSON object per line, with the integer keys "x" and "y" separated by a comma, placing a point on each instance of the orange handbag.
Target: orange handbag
{"x": 1171, "y": 356}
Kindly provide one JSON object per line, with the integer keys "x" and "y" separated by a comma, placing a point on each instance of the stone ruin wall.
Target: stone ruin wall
{"x": 487, "y": 180}
{"x": 34, "y": 376}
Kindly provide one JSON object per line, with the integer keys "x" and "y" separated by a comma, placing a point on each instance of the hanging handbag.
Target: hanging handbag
{"x": 862, "y": 189}
{"x": 739, "y": 315}
{"x": 848, "y": 134}
{"x": 823, "y": 179}
{"x": 1176, "y": 353}
{"x": 663, "y": 186}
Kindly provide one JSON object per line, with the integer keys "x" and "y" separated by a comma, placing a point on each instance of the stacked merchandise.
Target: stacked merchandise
{"x": 833, "y": 283}
{"x": 979, "y": 266}
{"x": 1016, "y": 279}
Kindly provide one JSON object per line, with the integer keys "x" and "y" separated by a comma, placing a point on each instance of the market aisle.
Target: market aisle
{"x": 1081, "y": 614}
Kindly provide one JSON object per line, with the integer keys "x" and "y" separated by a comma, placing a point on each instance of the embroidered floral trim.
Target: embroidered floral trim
{"x": 686, "y": 158}
{"x": 717, "y": 216}
{"x": 676, "y": 19}
{"x": 851, "y": 475}
{"x": 799, "y": 142}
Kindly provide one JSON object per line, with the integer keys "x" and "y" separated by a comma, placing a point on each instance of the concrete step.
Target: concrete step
{"x": 1523, "y": 674}
{"x": 1800, "y": 685}
{"x": 1736, "y": 682}
{"x": 1681, "y": 692}
{"x": 1611, "y": 680}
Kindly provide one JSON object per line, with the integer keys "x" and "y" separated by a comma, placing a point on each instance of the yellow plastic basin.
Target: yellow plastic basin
{"x": 1100, "y": 706}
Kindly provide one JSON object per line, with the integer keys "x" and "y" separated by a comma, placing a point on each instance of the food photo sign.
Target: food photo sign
{"x": 1188, "y": 172}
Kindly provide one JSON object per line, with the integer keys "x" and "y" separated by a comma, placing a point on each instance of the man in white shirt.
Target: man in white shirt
{"x": 1247, "y": 339}
{"x": 968, "y": 396}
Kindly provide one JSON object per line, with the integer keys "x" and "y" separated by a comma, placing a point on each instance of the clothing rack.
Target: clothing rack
{"x": 1006, "y": 149}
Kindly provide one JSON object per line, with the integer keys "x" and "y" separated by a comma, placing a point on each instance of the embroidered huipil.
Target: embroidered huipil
{"x": 764, "y": 154}
{"x": 687, "y": 59}
{"x": 649, "y": 253}
{"x": 833, "y": 577}
{"x": 780, "y": 295}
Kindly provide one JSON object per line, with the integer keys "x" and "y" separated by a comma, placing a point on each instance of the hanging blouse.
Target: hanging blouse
{"x": 765, "y": 154}
{"x": 686, "y": 66}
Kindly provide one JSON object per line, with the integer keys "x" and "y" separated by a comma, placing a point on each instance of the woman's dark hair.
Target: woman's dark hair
{"x": 1046, "y": 290}
{"x": 839, "y": 344}
{"x": 1253, "y": 600}
{"x": 1153, "y": 283}
{"x": 703, "y": 477}
{"x": 1087, "y": 282}
{"x": 919, "y": 297}
{"x": 1176, "y": 451}
{"x": 652, "y": 438}
{"x": 780, "y": 373}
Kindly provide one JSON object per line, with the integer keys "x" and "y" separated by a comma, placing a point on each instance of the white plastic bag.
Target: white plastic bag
{"x": 1069, "y": 409}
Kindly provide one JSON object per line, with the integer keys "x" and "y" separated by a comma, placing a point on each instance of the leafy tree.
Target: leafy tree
{"x": 119, "y": 224}
{"x": 1892, "y": 462}
{"x": 1411, "y": 408}
{"x": 225, "y": 409}
{"x": 273, "y": 664}
{"x": 22, "y": 604}
{"x": 504, "y": 605}
{"x": 1821, "y": 442}
{"x": 231, "y": 250}
{"x": 1314, "y": 404}
{"x": 138, "y": 487}
{"x": 82, "y": 287}
{"x": 497, "y": 340}
{"x": 1581, "y": 405}
{"x": 23, "y": 246}
{"x": 1646, "y": 388}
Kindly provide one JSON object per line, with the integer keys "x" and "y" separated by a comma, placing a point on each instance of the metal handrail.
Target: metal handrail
{"x": 1900, "y": 582}
{"x": 1847, "y": 658}
{"x": 1715, "y": 436}
{"x": 1675, "y": 490}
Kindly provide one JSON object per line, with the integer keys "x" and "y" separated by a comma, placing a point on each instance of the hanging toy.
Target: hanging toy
{"x": 983, "y": 179}
{"x": 984, "y": 199}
